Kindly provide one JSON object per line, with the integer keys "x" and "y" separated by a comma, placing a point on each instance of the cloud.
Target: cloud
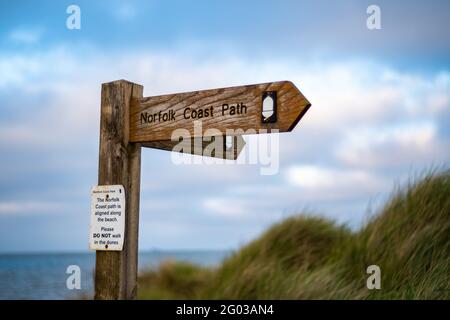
{"x": 231, "y": 208}
{"x": 29, "y": 207}
{"x": 26, "y": 36}
{"x": 314, "y": 177}
{"x": 345, "y": 182}
{"x": 359, "y": 94}
{"x": 397, "y": 144}
{"x": 15, "y": 69}
{"x": 366, "y": 123}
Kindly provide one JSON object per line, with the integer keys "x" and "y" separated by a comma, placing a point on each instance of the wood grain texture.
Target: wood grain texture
{"x": 291, "y": 105}
{"x": 119, "y": 163}
{"x": 201, "y": 147}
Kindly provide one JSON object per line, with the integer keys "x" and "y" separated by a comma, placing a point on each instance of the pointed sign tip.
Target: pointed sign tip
{"x": 300, "y": 116}
{"x": 302, "y": 104}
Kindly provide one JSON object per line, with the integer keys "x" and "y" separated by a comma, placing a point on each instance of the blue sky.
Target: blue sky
{"x": 381, "y": 107}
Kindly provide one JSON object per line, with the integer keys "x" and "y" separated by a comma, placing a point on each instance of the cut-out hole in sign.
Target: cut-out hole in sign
{"x": 269, "y": 107}
{"x": 228, "y": 142}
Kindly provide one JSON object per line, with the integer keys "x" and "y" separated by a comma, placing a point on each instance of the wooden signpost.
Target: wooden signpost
{"x": 129, "y": 121}
{"x": 226, "y": 109}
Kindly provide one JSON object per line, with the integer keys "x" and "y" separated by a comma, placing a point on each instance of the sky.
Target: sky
{"x": 379, "y": 116}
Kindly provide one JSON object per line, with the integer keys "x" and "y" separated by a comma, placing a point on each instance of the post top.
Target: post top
{"x": 119, "y": 82}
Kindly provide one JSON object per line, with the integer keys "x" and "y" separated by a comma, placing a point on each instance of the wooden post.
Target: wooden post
{"x": 119, "y": 163}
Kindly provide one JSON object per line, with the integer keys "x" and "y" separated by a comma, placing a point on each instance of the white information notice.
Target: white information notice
{"x": 107, "y": 218}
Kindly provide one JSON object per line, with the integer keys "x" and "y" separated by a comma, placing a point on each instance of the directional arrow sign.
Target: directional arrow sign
{"x": 258, "y": 108}
{"x": 215, "y": 146}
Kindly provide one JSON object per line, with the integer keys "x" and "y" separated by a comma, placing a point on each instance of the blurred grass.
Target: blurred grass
{"x": 313, "y": 258}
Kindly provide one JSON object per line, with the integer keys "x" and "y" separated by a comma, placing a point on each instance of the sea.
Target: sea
{"x": 43, "y": 276}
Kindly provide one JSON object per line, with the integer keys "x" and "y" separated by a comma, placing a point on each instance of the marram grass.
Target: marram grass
{"x": 313, "y": 258}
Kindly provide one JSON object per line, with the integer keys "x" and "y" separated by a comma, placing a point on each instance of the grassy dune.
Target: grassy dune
{"x": 313, "y": 258}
